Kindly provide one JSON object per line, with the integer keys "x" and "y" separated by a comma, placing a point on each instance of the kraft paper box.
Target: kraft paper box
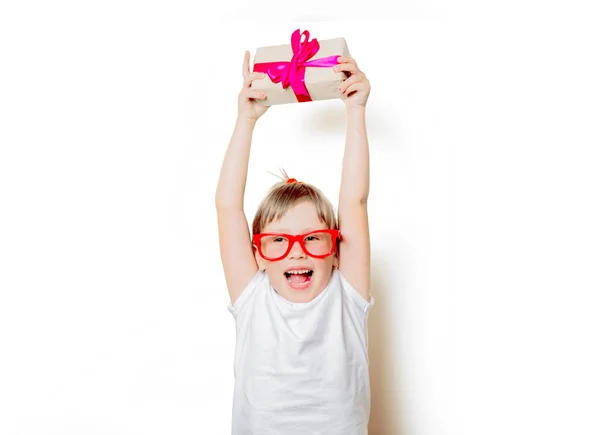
{"x": 304, "y": 67}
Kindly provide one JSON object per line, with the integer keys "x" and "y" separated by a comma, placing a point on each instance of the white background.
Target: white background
{"x": 483, "y": 124}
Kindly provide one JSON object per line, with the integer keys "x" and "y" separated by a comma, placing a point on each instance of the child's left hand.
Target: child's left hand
{"x": 356, "y": 87}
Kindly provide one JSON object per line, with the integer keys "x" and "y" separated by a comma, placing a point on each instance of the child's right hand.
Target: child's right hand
{"x": 247, "y": 107}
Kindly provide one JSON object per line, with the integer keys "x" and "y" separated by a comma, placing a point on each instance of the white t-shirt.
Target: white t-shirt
{"x": 301, "y": 368}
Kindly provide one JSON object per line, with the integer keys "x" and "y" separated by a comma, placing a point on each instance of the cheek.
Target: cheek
{"x": 325, "y": 268}
{"x": 275, "y": 272}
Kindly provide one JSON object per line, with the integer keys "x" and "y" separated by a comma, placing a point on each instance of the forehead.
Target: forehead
{"x": 300, "y": 218}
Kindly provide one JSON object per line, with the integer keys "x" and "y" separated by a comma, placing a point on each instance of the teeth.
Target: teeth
{"x": 298, "y": 272}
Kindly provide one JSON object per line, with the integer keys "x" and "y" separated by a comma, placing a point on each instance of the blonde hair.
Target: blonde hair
{"x": 284, "y": 195}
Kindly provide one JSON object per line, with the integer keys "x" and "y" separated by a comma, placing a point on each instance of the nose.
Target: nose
{"x": 297, "y": 251}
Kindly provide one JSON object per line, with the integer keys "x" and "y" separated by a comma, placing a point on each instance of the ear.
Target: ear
{"x": 262, "y": 264}
{"x": 336, "y": 256}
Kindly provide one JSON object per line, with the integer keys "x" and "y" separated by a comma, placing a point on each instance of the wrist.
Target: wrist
{"x": 355, "y": 111}
{"x": 245, "y": 122}
{"x": 355, "y": 108}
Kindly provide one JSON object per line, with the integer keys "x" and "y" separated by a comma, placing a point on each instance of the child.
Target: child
{"x": 299, "y": 287}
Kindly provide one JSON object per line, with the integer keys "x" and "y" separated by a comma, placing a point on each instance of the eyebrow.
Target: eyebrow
{"x": 303, "y": 231}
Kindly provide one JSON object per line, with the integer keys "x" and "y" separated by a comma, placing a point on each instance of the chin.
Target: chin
{"x": 304, "y": 292}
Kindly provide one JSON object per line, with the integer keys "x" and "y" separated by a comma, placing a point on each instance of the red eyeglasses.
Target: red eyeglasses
{"x": 276, "y": 246}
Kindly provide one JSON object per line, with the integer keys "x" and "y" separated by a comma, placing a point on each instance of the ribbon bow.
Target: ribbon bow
{"x": 291, "y": 73}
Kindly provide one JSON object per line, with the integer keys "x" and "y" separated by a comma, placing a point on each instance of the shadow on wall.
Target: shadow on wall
{"x": 329, "y": 118}
{"x": 386, "y": 417}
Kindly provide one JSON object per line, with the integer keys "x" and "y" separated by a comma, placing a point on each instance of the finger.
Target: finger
{"x": 349, "y": 81}
{"x": 349, "y": 67}
{"x": 246, "y": 65}
{"x": 252, "y": 94}
{"x": 354, "y": 87}
{"x": 253, "y": 76}
{"x": 346, "y": 59}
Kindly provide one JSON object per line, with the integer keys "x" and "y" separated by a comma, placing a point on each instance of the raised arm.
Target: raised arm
{"x": 355, "y": 251}
{"x": 237, "y": 257}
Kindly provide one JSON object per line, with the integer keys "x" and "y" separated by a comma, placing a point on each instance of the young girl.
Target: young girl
{"x": 299, "y": 287}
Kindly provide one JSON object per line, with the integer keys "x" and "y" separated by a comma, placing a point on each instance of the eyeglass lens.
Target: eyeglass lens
{"x": 316, "y": 244}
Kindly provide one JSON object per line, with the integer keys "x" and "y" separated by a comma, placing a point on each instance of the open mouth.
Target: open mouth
{"x": 299, "y": 278}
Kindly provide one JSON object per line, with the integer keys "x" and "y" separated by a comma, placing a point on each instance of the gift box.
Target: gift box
{"x": 300, "y": 71}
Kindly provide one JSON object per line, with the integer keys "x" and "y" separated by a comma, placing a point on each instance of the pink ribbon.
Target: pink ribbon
{"x": 292, "y": 73}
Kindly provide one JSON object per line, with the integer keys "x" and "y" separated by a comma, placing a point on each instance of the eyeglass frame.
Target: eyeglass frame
{"x": 335, "y": 235}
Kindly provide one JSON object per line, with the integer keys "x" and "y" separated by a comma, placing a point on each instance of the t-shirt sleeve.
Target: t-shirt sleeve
{"x": 246, "y": 294}
{"x": 360, "y": 302}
